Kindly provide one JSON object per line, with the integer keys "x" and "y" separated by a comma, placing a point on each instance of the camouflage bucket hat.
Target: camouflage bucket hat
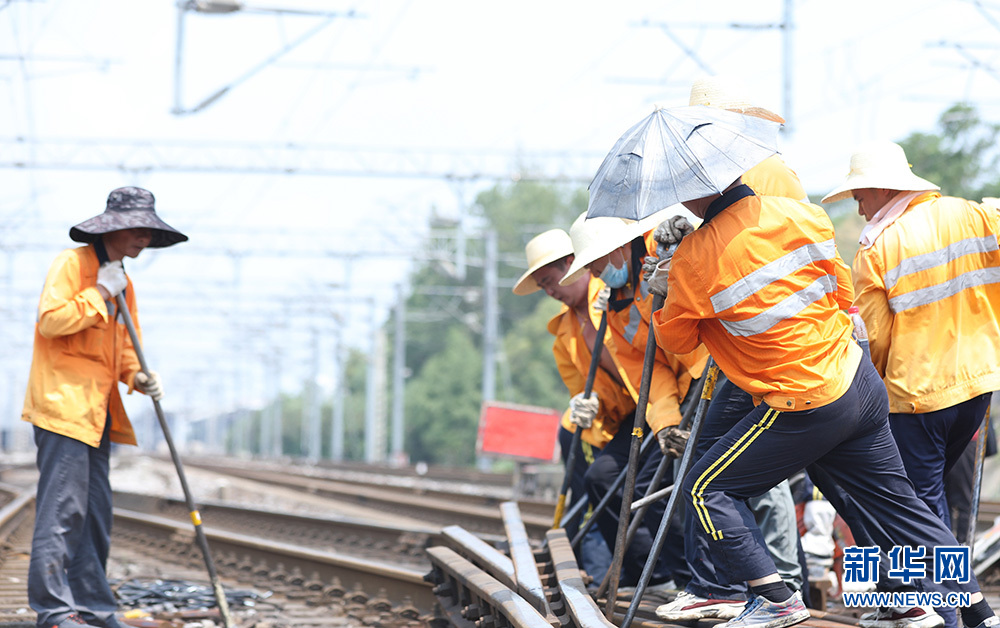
{"x": 128, "y": 208}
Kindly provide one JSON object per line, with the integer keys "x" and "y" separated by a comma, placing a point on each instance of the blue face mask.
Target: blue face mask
{"x": 613, "y": 276}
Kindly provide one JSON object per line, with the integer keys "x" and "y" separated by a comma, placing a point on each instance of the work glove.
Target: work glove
{"x": 672, "y": 230}
{"x": 658, "y": 279}
{"x": 111, "y": 277}
{"x": 149, "y": 384}
{"x": 582, "y": 412}
{"x": 672, "y": 441}
{"x": 601, "y": 302}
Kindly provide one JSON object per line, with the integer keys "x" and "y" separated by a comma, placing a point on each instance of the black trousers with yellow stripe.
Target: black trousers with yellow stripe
{"x": 850, "y": 441}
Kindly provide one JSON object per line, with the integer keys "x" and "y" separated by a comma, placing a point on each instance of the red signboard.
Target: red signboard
{"x": 520, "y": 432}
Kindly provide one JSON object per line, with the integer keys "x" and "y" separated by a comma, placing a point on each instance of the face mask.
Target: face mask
{"x": 613, "y": 276}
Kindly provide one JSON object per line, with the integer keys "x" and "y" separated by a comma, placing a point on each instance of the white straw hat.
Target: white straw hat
{"x": 541, "y": 250}
{"x": 593, "y": 238}
{"x": 726, "y": 92}
{"x": 879, "y": 164}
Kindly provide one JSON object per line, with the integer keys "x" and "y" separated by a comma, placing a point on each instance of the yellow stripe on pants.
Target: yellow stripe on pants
{"x": 723, "y": 461}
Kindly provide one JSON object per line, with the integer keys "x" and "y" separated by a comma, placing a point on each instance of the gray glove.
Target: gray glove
{"x": 672, "y": 230}
{"x": 658, "y": 280}
{"x": 149, "y": 384}
{"x": 111, "y": 277}
{"x": 672, "y": 441}
{"x": 582, "y": 412}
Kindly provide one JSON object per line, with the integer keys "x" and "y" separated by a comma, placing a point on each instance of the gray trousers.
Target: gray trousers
{"x": 69, "y": 549}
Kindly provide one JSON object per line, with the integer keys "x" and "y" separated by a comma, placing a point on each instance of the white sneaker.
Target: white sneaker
{"x": 763, "y": 613}
{"x": 898, "y": 617}
{"x": 687, "y": 606}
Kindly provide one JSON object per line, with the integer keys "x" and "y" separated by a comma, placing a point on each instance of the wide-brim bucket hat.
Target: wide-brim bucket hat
{"x": 542, "y": 250}
{"x": 593, "y": 238}
{"x": 880, "y": 165}
{"x": 726, "y": 92}
{"x": 128, "y": 208}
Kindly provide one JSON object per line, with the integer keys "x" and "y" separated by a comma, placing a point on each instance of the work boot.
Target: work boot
{"x": 763, "y": 613}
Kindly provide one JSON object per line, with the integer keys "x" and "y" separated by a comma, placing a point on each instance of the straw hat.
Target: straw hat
{"x": 128, "y": 208}
{"x": 542, "y": 250}
{"x": 729, "y": 94}
{"x": 879, "y": 164}
{"x": 593, "y": 238}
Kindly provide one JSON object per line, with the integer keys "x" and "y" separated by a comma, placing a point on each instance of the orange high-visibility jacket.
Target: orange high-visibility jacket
{"x": 572, "y": 355}
{"x": 762, "y": 285}
{"x": 672, "y": 374}
{"x": 773, "y": 177}
{"x": 929, "y": 292}
{"x": 80, "y": 355}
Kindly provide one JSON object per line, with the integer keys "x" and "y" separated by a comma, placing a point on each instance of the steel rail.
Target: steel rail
{"x": 400, "y": 584}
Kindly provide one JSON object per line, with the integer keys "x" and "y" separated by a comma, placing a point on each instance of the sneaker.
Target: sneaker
{"x": 687, "y": 606}
{"x": 989, "y": 622}
{"x": 901, "y": 617}
{"x": 73, "y": 621}
{"x": 763, "y": 613}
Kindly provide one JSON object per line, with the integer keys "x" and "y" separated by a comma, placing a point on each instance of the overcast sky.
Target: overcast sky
{"x": 390, "y": 90}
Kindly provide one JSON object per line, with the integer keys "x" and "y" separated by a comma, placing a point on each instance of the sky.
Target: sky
{"x": 307, "y": 185}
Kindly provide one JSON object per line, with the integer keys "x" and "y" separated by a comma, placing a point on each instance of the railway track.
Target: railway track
{"x": 477, "y": 512}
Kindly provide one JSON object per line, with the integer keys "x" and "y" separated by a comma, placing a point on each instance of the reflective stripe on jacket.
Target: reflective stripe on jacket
{"x": 929, "y": 292}
{"x": 572, "y": 355}
{"x": 672, "y": 374}
{"x": 80, "y": 355}
{"x": 762, "y": 285}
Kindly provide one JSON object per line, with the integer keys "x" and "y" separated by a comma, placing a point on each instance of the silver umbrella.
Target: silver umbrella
{"x": 678, "y": 154}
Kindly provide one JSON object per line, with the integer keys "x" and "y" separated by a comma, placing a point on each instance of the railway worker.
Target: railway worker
{"x": 774, "y": 511}
{"x": 82, "y": 350}
{"x": 761, "y": 284}
{"x": 614, "y": 249}
{"x": 926, "y": 278}
{"x": 549, "y": 255}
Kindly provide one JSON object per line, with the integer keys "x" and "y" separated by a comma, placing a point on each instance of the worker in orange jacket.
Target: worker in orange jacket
{"x": 926, "y": 277}
{"x": 549, "y": 255}
{"x": 82, "y": 351}
{"x": 705, "y": 596}
{"x": 614, "y": 249}
{"x": 761, "y": 284}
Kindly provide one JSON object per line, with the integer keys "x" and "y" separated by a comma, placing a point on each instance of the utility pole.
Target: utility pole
{"x": 788, "y": 28}
{"x": 310, "y": 428}
{"x": 339, "y": 394}
{"x": 489, "y": 325}
{"x": 398, "y": 456}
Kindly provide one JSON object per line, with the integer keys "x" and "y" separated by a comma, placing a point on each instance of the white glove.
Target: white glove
{"x": 111, "y": 277}
{"x": 582, "y": 412}
{"x": 149, "y": 384}
{"x": 672, "y": 230}
{"x": 658, "y": 280}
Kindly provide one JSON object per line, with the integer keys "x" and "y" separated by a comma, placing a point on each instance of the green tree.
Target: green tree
{"x": 962, "y": 157}
{"x": 442, "y": 405}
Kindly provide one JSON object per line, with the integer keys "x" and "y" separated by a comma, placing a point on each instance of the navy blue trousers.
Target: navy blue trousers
{"x": 850, "y": 442}
{"x": 598, "y": 479}
{"x": 930, "y": 444}
{"x": 729, "y": 405}
{"x": 72, "y": 536}
{"x": 593, "y": 553}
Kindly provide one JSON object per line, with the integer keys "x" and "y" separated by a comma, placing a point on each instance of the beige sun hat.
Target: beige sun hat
{"x": 879, "y": 164}
{"x": 727, "y": 92}
{"x": 593, "y": 238}
{"x": 541, "y": 250}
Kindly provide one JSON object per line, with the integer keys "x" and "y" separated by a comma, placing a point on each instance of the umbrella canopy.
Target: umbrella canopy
{"x": 678, "y": 154}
